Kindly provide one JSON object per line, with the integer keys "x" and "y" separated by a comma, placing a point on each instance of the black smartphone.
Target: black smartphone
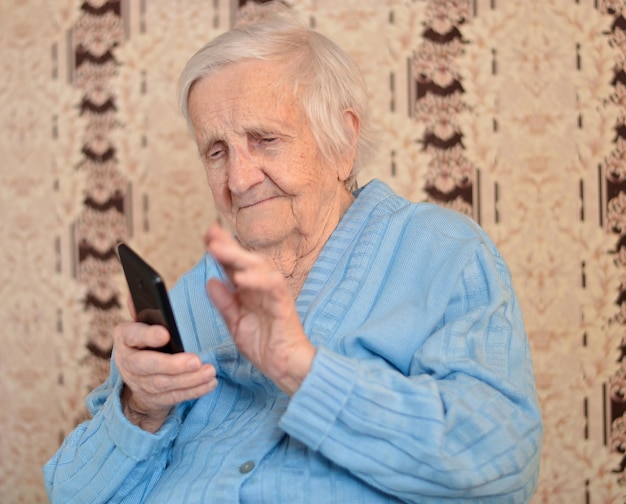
{"x": 149, "y": 295}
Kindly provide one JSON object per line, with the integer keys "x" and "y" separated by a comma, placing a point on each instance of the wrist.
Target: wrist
{"x": 150, "y": 421}
{"x": 299, "y": 366}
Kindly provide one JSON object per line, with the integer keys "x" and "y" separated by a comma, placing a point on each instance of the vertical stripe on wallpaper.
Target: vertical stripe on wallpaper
{"x": 439, "y": 92}
{"x": 613, "y": 174}
{"x": 103, "y": 221}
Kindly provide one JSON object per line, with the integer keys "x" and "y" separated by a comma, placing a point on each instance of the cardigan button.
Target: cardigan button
{"x": 246, "y": 467}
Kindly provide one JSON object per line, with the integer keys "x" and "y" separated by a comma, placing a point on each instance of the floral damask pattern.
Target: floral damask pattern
{"x": 613, "y": 170}
{"x": 511, "y": 112}
{"x": 539, "y": 123}
{"x": 103, "y": 221}
{"x": 450, "y": 176}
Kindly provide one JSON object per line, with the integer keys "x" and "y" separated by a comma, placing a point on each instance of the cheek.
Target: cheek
{"x": 221, "y": 194}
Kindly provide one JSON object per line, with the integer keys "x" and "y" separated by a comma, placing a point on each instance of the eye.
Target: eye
{"x": 216, "y": 151}
{"x": 263, "y": 138}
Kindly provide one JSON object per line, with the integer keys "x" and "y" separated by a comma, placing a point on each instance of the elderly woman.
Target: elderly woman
{"x": 353, "y": 347}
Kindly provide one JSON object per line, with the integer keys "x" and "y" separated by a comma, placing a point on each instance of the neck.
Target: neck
{"x": 295, "y": 257}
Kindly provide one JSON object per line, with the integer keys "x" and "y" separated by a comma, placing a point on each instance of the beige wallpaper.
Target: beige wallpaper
{"x": 512, "y": 111}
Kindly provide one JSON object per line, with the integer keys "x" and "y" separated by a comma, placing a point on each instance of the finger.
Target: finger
{"x": 216, "y": 232}
{"x": 224, "y": 300}
{"x": 162, "y": 392}
{"x": 134, "y": 345}
{"x": 187, "y": 394}
{"x": 158, "y": 392}
{"x": 225, "y": 249}
{"x": 262, "y": 279}
{"x": 141, "y": 336}
{"x": 154, "y": 363}
{"x": 245, "y": 269}
{"x": 165, "y": 383}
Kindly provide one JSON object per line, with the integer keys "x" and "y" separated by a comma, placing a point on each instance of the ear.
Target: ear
{"x": 352, "y": 126}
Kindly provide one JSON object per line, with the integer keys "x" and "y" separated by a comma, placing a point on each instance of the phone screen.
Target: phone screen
{"x": 149, "y": 295}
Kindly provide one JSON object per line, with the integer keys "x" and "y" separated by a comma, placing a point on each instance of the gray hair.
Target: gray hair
{"x": 326, "y": 80}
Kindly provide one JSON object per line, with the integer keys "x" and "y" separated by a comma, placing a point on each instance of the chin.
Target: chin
{"x": 258, "y": 239}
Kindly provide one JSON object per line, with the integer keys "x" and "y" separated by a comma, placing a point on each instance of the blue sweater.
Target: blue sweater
{"x": 421, "y": 390}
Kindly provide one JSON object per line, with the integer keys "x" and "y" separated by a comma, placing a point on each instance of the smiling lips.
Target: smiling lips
{"x": 257, "y": 202}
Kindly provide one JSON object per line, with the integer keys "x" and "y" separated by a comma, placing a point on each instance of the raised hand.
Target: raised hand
{"x": 260, "y": 312}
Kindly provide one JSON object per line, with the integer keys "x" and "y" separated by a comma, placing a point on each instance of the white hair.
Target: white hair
{"x": 326, "y": 81}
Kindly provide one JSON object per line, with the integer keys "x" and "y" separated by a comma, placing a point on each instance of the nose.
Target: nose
{"x": 244, "y": 170}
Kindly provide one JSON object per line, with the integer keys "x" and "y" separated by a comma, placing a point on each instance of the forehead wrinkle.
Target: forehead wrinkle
{"x": 272, "y": 109}
{"x": 253, "y": 124}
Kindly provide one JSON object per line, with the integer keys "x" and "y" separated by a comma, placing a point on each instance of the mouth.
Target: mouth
{"x": 255, "y": 203}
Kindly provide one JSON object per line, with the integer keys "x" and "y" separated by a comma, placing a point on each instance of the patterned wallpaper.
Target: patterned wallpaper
{"x": 511, "y": 111}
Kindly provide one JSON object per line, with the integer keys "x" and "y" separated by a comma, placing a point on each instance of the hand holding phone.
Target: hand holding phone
{"x": 149, "y": 295}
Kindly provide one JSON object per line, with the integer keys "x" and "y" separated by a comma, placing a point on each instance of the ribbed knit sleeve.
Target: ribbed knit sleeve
{"x": 108, "y": 459}
{"x": 395, "y": 434}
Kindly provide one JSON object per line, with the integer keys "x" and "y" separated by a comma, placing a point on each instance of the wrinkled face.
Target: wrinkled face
{"x": 268, "y": 178}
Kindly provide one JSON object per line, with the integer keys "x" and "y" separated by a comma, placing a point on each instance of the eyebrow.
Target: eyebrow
{"x": 281, "y": 130}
